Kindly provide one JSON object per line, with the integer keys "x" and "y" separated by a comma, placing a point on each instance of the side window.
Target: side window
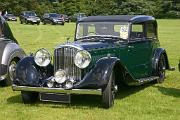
{"x": 137, "y": 31}
{"x": 150, "y": 30}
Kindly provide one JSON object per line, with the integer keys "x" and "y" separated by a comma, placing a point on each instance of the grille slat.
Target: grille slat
{"x": 64, "y": 59}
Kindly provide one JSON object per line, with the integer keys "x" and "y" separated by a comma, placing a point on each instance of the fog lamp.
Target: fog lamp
{"x": 60, "y": 76}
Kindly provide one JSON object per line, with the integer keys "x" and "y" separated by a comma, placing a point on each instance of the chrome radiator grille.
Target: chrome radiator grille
{"x": 64, "y": 59}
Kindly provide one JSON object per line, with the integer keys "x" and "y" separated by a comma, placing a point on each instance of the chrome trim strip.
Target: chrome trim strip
{"x": 69, "y": 45}
{"x": 57, "y": 90}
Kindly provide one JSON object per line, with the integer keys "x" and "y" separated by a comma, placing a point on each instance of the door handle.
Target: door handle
{"x": 131, "y": 47}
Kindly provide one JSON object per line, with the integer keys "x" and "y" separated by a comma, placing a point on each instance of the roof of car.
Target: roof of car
{"x": 118, "y": 18}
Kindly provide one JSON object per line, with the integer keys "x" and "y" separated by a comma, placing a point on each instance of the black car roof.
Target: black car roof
{"x": 118, "y": 18}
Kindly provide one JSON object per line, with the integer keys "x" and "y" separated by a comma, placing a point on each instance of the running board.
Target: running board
{"x": 148, "y": 79}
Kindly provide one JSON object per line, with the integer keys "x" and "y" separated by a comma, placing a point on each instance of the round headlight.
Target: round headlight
{"x": 82, "y": 59}
{"x": 42, "y": 57}
{"x": 60, "y": 76}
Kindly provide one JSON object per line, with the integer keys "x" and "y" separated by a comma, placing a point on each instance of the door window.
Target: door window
{"x": 150, "y": 30}
{"x": 137, "y": 31}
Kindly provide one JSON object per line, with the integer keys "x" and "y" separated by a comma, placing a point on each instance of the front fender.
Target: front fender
{"x": 11, "y": 51}
{"x": 28, "y": 73}
{"x": 99, "y": 76}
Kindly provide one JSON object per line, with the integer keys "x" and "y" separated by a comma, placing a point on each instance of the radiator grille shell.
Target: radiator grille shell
{"x": 64, "y": 59}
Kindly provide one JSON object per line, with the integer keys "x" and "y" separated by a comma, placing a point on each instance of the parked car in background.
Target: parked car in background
{"x": 29, "y": 17}
{"x": 10, "y": 17}
{"x": 53, "y": 18}
{"x": 66, "y": 18}
{"x": 10, "y": 53}
{"x": 77, "y": 17}
{"x": 107, "y": 51}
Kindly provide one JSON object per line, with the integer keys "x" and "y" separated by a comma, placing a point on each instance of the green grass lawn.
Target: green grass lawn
{"x": 146, "y": 102}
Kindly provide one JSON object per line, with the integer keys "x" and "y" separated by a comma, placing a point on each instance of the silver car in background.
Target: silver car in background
{"x": 10, "y": 53}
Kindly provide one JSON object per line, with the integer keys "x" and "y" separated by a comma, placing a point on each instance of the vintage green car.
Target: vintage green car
{"x": 107, "y": 51}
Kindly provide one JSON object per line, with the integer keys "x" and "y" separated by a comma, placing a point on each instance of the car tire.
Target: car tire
{"x": 29, "y": 97}
{"x": 108, "y": 93}
{"x": 161, "y": 69}
{"x": 11, "y": 73}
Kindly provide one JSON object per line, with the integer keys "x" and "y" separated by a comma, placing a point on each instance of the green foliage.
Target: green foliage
{"x": 157, "y": 8}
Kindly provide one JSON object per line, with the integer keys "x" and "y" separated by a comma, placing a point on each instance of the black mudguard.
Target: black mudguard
{"x": 28, "y": 73}
{"x": 99, "y": 76}
{"x": 157, "y": 54}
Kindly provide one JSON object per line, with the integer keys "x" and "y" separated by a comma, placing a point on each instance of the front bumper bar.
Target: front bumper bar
{"x": 57, "y": 90}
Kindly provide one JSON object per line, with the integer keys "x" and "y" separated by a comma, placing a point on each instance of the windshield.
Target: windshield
{"x": 54, "y": 15}
{"x": 31, "y": 13}
{"x": 116, "y": 29}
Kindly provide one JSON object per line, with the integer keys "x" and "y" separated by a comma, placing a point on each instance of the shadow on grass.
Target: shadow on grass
{"x": 77, "y": 101}
{"x": 169, "y": 91}
{"x": 125, "y": 91}
{"x": 85, "y": 101}
{"x": 14, "y": 99}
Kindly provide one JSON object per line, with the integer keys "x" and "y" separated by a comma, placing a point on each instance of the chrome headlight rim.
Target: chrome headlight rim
{"x": 47, "y": 57}
{"x": 84, "y": 63}
{"x": 60, "y": 76}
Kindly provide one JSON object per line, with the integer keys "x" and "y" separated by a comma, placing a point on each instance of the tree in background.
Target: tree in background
{"x": 157, "y": 8}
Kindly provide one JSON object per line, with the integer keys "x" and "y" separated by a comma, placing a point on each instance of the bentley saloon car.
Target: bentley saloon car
{"x": 53, "y": 18}
{"x": 29, "y": 17}
{"x": 107, "y": 51}
{"x": 10, "y": 53}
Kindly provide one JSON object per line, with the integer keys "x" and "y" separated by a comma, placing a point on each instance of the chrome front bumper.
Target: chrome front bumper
{"x": 57, "y": 90}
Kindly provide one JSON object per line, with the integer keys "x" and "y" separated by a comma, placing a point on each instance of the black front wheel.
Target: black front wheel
{"x": 108, "y": 93}
{"x": 29, "y": 97}
{"x": 161, "y": 70}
